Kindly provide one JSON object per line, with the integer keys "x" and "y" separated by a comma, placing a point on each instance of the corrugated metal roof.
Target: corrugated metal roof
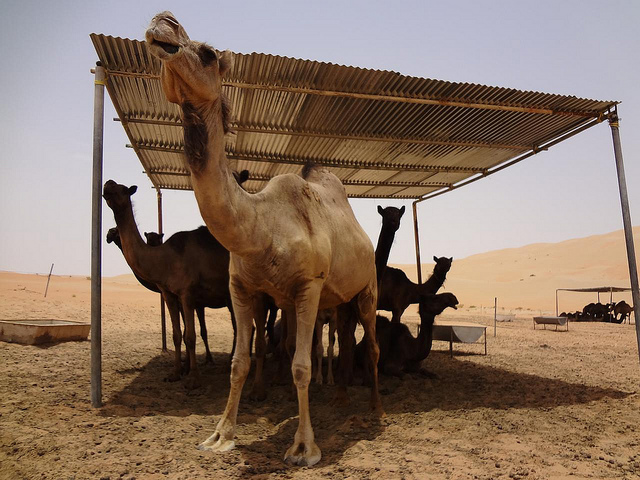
{"x": 385, "y": 135}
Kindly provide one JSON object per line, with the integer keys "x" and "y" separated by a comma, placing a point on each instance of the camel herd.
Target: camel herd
{"x": 600, "y": 312}
{"x": 294, "y": 247}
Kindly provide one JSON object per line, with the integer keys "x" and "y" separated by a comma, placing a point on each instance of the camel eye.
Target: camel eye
{"x": 207, "y": 55}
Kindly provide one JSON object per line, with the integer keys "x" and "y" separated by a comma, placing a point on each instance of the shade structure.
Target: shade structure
{"x": 385, "y": 135}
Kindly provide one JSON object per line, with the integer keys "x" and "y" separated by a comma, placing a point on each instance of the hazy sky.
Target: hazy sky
{"x": 584, "y": 48}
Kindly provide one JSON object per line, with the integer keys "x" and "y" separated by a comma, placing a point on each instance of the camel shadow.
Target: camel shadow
{"x": 465, "y": 384}
{"x": 461, "y": 385}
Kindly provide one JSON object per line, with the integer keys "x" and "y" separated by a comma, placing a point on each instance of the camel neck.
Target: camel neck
{"x": 228, "y": 210}
{"x": 383, "y": 248}
{"x": 425, "y": 337}
{"x": 136, "y": 252}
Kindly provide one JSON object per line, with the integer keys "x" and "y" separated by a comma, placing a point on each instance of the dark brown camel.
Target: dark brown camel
{"x": 622, "y": 311}
{"x": 155, "y": 239}
{"x": 400, "y": 352}
{"x": 191, "y": 270}
{"x": 397, "y": 292}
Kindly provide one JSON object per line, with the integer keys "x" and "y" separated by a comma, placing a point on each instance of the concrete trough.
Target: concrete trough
{"x": 39, "y": 331}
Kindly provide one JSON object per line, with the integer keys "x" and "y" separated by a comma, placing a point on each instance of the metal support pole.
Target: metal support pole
{"x": 626, "y": 220}
{"x": 96, "y": 238}
{"x": 417, "y": 241}
{"x": 163, "y": 315}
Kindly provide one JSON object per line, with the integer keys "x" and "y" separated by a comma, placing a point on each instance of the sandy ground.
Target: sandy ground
{"x": 542, "y": 404}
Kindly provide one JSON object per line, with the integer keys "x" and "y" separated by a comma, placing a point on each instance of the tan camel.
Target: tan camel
{"x": 297, "y": 240}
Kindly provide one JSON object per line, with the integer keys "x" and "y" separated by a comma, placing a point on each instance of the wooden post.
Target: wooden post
{"x": 96, "y": 238}
{"x": 48, "y": 278}
{"x": 626, "y": 220}
{"x": 495, "y": 316}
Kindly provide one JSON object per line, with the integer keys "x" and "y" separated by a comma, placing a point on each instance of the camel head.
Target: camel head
{"x": 443, "y": 264}
{"x": 391, "y": 217}
{"x": 154, "y": 239}
{"x": 118, "y": 196}
{"x": 113, "y": 236}
{"x": 436, "y": 304}
{"x": 191, "y": 71}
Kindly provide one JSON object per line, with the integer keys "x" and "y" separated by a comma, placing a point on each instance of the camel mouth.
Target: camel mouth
{"x": 169, "y": 48}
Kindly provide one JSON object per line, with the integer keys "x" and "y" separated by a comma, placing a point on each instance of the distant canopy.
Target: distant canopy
{"x": 596, "y": 289}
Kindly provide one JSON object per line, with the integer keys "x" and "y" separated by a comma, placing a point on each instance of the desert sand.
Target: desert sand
{"x": 542, "y": 404}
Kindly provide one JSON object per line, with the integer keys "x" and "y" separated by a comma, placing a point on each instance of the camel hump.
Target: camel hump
{"x": 308, "y": 169}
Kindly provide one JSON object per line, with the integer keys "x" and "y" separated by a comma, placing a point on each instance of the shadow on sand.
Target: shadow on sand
{"x": 461, "y": 385}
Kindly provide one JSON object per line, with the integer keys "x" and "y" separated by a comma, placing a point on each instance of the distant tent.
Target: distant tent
{"x": 597, "y": 290}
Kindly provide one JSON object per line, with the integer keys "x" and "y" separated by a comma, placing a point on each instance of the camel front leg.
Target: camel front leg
{"x": 223, "y": 437}
{"x": 366, "y": 308}
{"x": 193, "y": 379}
{"x": 304, "y": 451}
{"x": 332, "y": 341}
{"x": 173, "y": 305}
{"x": 203, "y": 334}
{"x": 318, "y": 349}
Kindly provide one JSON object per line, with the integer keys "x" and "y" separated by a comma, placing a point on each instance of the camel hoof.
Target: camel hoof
{"x": 192, "y": 383}
{"x": 174, "y": 377}
{"x": 257, "y": 395}
{"x": 428, "y": 374}
{"x": 303, "y": 455}
{"x": 208, "y": 360}
{"x": 215, "y": 443}
{"x": 378, "y": 411}
{"x": 341, "y": 399}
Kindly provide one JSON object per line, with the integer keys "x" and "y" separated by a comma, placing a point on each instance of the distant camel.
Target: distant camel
{"x": 400, "y": 352}
{"x": 191, "y": 269}
{"x": 595, "y": 311}
{"x": 397, "y": 292}
{"x": 155, "y": 239}
{"x": 622, "y": 311}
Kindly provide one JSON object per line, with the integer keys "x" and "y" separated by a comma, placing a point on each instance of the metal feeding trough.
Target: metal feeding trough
{"x": 38, "y": 331}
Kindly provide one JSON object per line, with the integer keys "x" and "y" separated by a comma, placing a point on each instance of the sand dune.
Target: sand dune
{"x": 527, "y": 277}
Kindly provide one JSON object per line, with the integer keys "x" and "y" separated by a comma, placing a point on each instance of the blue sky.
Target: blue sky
{"x": 582, "y": 48}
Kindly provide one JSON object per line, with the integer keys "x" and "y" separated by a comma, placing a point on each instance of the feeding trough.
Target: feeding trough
{"x": 39, "y": 331}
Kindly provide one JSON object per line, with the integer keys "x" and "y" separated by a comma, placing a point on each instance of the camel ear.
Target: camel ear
{"x": 402, "y": 210}
{"x": 132, "y": 189}
{"x": 244, "y": 176}
{"x": 380, "y": 210}
{"x": 225, "y": 60}
{"x": 451, "y": 259}
{"x": 146, "y": 235}
{"x": 435, "y": 259}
